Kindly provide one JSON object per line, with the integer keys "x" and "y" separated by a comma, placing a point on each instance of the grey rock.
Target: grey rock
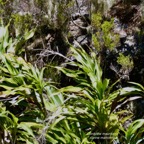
{"x": 82, "y": 7}
{"x": 74, "y": 30}
{"x": 130, "y": 41}
{"x": 79, "y": 22}
{"x": 83, "y": 40}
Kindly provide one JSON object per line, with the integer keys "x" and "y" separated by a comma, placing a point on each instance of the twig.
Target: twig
{"x": 51, "y": 52}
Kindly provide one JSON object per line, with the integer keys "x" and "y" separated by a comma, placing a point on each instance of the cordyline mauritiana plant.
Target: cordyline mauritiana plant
{"x": 28, "y": 103}
{"x": 95, "y": 105}
{"x": 37, "y": 104}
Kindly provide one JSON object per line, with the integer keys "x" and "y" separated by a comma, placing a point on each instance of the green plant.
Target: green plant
{"x": 104, "y": 38}
{"x": 9, "y": 45}
{"x": 22, "y": 23}
{"x": 5, "y": 41}
{"x": 19, "y": 77}
{"x": 134, "y": 133}
{"x": 6, "y": 10}
{"x": 13, "y": 131}
{"x": 94, "y": 102}
{"x": 23, "y": 86}
{"x": 125, "y": 61}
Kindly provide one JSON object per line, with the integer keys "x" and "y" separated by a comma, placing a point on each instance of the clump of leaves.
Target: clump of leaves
{"x": 134, "y": 133}
{"x": 96, "y": 20}
{"x": 125, "y": 61}
{"x": 13, "y": 45}
{"x": 103, "y": 37}
{"x": 22, "y": 23}
{"x": 13, "y": 131}
{"x": 6, "y": 10}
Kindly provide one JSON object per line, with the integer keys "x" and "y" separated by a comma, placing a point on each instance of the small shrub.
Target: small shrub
{"x": 125, "y": 61}
{"x": 103, "y": 37}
